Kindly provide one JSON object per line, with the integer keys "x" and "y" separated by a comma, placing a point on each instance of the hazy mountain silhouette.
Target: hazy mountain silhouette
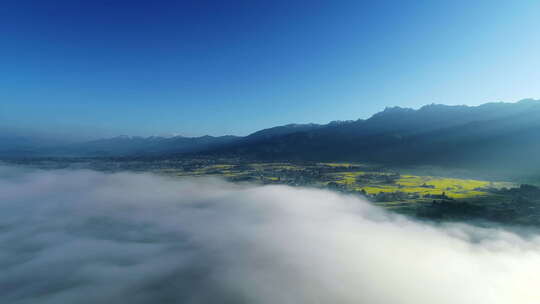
{"x": 493, "y": 135}
{"x": 116, "y": 146}
{"x": 127, "y": 145}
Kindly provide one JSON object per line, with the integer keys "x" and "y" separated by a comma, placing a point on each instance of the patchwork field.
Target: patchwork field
{"x": 368, "y": 180}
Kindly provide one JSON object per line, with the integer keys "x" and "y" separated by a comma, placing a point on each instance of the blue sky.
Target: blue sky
{"x": 102, "y": 68}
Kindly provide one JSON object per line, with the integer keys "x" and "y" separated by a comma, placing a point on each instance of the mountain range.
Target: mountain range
{"x": 493, "y": 134}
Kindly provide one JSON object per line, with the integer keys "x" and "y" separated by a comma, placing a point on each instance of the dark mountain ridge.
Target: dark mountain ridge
{"x": 493, "y": 135}
{"x": 498, "y": 135}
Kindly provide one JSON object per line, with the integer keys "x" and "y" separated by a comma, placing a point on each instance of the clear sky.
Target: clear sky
{"x": 232, "y": 67}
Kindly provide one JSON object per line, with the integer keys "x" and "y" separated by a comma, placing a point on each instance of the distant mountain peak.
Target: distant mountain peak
{"x": 283, "y": 130}
{"x": 391, "y": 111}
{"x": 341, "y": 122}
{"x": 296, "y": 125}
{"x": 529, "y": 101}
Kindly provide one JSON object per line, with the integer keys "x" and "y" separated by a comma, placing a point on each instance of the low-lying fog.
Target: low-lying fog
{"x": 88, "y": 237}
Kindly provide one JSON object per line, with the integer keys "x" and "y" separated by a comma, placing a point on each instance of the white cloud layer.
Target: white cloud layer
{"x": 87, "y": 237}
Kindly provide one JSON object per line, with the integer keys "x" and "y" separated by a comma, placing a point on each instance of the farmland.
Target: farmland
{"x": 431, "y": 196}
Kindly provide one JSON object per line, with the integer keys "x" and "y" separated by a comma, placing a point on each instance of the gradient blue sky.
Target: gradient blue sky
{"x": 103, "y": 68}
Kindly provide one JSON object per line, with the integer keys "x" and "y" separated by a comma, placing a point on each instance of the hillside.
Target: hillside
{"x": 499, "y": 135}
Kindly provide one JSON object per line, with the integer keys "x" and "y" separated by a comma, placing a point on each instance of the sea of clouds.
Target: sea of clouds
{"x": 89, "y": 237}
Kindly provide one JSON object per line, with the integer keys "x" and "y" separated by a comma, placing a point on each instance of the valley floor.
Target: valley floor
{"x": 430, "y": 197}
